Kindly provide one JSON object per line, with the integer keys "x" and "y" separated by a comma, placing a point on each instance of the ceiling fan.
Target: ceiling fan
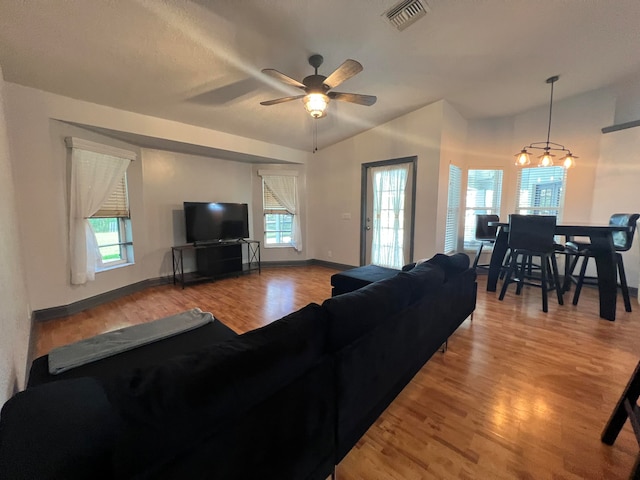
{"x": 317, "y": 87}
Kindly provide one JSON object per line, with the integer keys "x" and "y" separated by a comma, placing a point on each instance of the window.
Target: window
{"x": 280, "y": 209}
{"x": 112, "y": 228}
{"x": 453, "y": 210}
{"x": 99, "y": 222}
{"x": 541, "y": 191}
{"x": 278, "y": 222}
{"x": 484, "y": 190}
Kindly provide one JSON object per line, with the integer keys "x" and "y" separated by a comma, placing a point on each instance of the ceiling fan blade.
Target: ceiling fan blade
{"x": 348, "y": 69}
{"x": 367, "y": 100}
{"x": 281, "y": 100}
{"x": 282, "y": 77}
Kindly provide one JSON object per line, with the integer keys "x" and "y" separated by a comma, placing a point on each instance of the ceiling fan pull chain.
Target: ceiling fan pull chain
{"x": 315, "y": 135}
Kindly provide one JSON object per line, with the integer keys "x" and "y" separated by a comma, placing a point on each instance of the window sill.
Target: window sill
{"x": 279, "y": 245}
{"x": 114, "y": 267}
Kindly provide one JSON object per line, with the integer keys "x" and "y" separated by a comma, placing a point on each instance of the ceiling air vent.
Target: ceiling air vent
{"x": 405, "y": 13}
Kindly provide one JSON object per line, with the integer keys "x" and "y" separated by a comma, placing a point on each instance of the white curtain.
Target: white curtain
{"x": 94, "y": 176}
{"x": 285, "y": 190}
{"x": 389, "y": 184}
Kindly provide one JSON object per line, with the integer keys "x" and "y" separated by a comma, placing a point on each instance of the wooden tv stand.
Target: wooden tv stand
{"x": 215, "y": 260}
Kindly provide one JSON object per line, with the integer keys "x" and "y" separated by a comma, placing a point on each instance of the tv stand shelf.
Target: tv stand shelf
{"x": 215, "y": 260}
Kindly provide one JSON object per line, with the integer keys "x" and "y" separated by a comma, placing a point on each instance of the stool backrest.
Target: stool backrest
{"x": 532, "y": 232}
{"x": 622, "y": 240}
{"x": 483, "y": 230}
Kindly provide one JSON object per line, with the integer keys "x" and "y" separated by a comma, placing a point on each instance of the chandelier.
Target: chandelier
{"x": 523, "y": 158}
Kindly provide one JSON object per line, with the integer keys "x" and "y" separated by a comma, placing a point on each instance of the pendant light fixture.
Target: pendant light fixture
{"x": 523, "y": 158}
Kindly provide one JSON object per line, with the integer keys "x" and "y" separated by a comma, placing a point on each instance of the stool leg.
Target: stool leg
{"x": 475, "y": 262}
{"x": 522, "y": 267}
{"x": 505, "y": 266}
{"x": 556, "y": 279}
{"x": 544, "y": 282}
{"x": 507, "y": 277}
{"x": 583, "y": 271}
{"x": 623, "y": 283}
{"x": 570, "y": 266}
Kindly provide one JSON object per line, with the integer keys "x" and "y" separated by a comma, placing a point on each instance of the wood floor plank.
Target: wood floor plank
{"x": 519, "y": 394}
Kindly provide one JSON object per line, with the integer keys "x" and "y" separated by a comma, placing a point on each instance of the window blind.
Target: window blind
{"x": 484, "y": 192}
{"x": 117, "y": 205}
{"x": 540, "y": 190}
{"x": 453, "y": 209}
{"x": 270, "y": 203}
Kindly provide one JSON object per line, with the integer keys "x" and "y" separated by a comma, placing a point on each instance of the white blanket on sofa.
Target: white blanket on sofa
{"x": 101, "y": 346}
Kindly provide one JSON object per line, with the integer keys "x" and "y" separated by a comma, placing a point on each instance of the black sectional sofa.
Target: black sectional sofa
{"x": 286, "y": 401}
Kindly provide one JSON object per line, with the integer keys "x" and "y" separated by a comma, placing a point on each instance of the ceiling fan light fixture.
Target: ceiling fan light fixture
{"x": 316, "y": 104}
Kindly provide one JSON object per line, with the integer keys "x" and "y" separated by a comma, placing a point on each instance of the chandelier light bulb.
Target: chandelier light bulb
{"x": 316, "y": 104}
{"x": 523, "y": 158}
{"x": 568, "y": 161}
{"x": 546, "y": 160}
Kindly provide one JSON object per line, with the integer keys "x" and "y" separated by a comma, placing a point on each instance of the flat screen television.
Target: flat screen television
{"x": 215, "y": 222}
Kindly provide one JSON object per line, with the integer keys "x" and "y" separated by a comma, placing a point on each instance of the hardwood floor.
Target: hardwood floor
{"x": 519, "y": 393}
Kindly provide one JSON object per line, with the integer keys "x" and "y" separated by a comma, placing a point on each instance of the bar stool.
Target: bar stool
{"x": 622, "y": 242}
{"x": 532, "y": 236}
{"x": 486, "y": 235}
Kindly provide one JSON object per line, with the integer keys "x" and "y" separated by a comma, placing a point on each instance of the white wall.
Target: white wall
{"x": 171, "y": 179}
{"x": 627, "y": 99}
{"x": 616, "y": 188}
{"x": 453, "y": 152}
{"x": 334, "y": 177}
{"x": 40, "y": 163}
{"x": 15, "y": 323}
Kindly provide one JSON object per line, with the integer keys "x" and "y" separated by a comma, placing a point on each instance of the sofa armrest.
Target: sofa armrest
{"x": 61, "y": 430}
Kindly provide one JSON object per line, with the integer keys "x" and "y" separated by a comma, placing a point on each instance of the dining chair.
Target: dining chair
{"x": 486, "y": 235}
{"x": 532, "y": 236}
{"x": 622, "y": 242}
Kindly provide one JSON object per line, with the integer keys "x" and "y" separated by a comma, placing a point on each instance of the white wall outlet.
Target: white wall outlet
{"x": 346, "y": 216}
{"x": 329, "y": 253}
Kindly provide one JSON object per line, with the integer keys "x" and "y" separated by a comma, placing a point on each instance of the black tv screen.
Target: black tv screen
{"x": 214, "y": 222}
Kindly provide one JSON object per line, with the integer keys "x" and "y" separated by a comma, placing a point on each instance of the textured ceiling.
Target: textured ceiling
{"x": 199, "y": 62}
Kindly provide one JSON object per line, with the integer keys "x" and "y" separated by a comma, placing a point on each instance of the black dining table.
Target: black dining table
{"x": 601, "y": 239}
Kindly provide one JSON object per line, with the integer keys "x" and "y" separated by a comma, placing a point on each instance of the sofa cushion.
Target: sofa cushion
{"x": 425, "y": 277}
{"x": 451, "y": 264}
{"x": 61, "y": 430}
{"x": 171, "y": 407}
{"x": 351, "y": 314}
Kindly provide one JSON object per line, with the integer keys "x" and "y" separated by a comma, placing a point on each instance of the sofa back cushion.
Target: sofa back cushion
{"x": 174, "y": 406}
{"x": 451, "y": 264}
{"x": 354, "y": 313}
{"x": 425, "y": 277}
